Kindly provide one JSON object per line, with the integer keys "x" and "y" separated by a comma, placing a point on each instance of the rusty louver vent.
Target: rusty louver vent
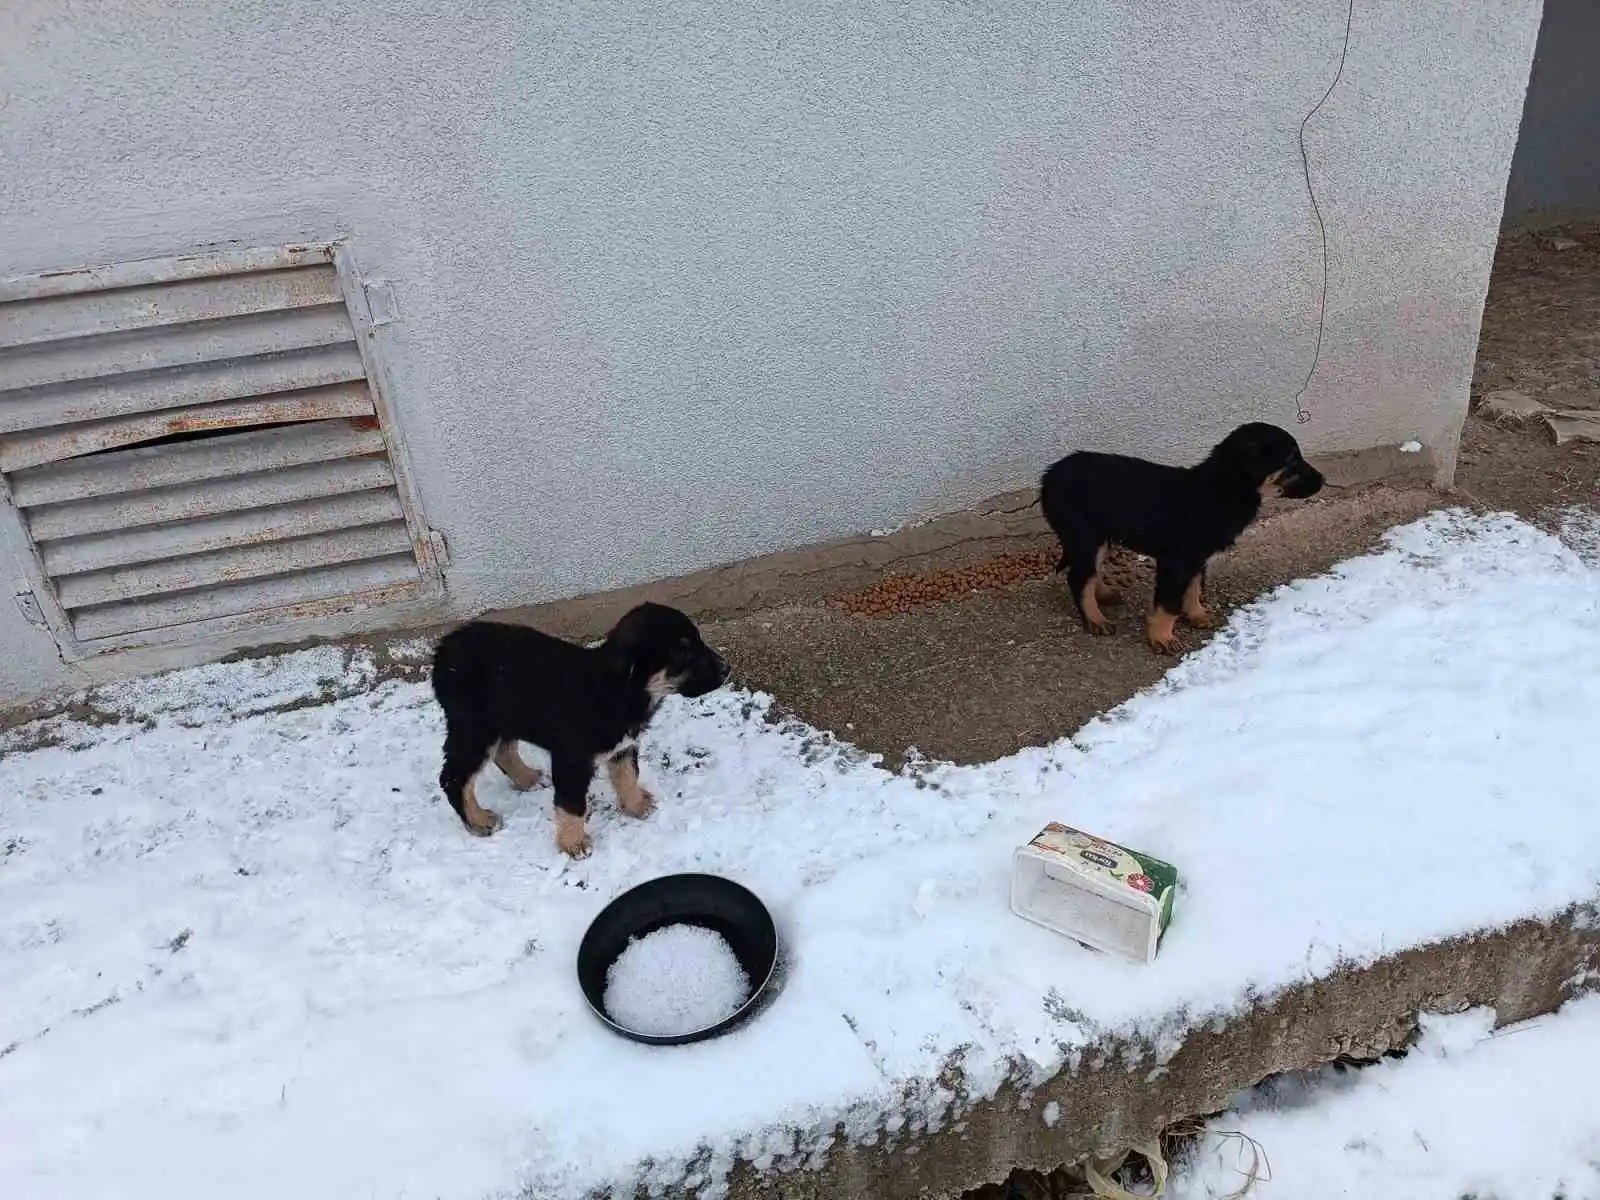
{"x": 196, "y": 444}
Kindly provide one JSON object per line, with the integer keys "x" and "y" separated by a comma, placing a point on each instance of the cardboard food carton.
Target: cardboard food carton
{"x": 1101, "y": 894}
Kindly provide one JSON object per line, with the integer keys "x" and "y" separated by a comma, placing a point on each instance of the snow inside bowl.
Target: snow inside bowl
{"x": 679, "y": 959}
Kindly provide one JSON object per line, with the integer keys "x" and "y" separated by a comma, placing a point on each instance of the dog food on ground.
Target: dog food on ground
{"x": 895, "y": 594}
{"x": 677, "y": 980}
{"x": 902, "y": 593}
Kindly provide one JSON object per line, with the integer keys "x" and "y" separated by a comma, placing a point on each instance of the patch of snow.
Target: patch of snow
{"x": 1579, "y": 527}
{"x": 1450, "y": 1035}
{"x": 1469, "y": 1112}
{"x": 1412, "y": 447}
{"x": 1050, "y": 1114}
{"x": 228, "y": 690}
{"x": 259, "y": 957}
{"x": 677, "y": 980}
{"x": 911, "y": 523}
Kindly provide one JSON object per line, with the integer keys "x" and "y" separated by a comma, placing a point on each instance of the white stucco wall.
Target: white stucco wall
{"x": 688, "y": 282}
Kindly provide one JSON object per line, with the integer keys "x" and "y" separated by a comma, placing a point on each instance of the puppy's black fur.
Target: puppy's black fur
{"x": 501, "y": 684}
{"x": 1179, "y": 516}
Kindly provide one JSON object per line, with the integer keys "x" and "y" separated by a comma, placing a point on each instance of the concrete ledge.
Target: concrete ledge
{"x": 1002, "y": 524}
{"x": 1120, "y": 1095}
{"x": 1381, "y": 464}
{"x": 975, "y": 677}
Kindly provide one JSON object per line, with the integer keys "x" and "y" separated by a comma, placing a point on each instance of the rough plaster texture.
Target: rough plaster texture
{"x": 1556, "y": 169}
{"x": 693, "y": 283}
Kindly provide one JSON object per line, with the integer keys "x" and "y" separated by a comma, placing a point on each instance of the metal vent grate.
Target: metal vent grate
{"x": 198, "y": 444}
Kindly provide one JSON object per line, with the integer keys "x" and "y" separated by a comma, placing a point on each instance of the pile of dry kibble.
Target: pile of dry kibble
{"x": 902, "y": 593}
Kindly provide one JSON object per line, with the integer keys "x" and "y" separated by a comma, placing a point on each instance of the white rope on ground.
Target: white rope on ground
{"x": 1101, "y": 1173}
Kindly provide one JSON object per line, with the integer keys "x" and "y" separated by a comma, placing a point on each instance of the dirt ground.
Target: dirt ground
{"x": 1541, "y": 326}
{"x": 984, "y": 674}
{"x": 1519, "y": 468}
{"x": 1541, "y": 336}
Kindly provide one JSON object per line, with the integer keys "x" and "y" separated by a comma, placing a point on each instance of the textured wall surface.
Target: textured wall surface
{"x": 686, "y": 283}
{"x": 1556, "y": 168}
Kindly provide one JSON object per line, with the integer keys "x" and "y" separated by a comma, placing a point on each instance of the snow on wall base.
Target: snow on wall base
{"x": 1119, "y": 1094}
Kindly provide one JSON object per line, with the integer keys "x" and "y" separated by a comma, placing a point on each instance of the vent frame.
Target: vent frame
{"x": 280, "y": 612}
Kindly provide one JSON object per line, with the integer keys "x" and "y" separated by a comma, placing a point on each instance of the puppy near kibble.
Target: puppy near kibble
{"x": 1179, "y": 516}
{"x": 500, "y": 684}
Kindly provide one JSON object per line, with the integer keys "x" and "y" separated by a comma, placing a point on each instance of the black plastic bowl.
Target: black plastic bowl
{"x": 706, "y": 900}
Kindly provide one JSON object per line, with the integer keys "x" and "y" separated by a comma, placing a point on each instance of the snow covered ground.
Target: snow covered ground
{"x": 1512, "y": 1114}
{"x": 258, "y": 956}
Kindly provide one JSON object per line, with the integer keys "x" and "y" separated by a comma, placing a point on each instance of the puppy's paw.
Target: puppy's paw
{"x": 1161, "y": 632}
{"x": 488, "y": 823}
{"x": 1104, "y": 593}
{"x": 1201, "y": 618}
{"x": 1101, "y": 628}
{"x": 522, "y": 776}
{"x": 639, "y": 805}
{"x": 572, "y": 836}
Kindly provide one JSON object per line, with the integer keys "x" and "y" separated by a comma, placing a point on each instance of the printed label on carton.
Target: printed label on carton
{"x": 1151, "y": 882}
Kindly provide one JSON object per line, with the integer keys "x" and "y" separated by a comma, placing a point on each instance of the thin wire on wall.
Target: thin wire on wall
{"x": 1300, "y": 413}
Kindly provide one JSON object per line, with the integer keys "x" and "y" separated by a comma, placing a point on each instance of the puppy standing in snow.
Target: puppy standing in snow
{"x": 501, "y": 684}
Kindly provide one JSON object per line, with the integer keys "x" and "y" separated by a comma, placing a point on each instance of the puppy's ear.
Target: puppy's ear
{"x": 1259, "y": 457}
{"x": 619, "y": 649}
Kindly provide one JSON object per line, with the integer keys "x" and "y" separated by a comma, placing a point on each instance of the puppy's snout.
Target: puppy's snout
{"x": 1306, "y": 482}
{"x": 723, "y": 669}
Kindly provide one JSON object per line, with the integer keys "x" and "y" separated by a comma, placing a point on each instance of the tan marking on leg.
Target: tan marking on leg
{"x": 635, "y": 800}
{"x": 572, "y": 834}
{"x": 1194, "y": 609}
{"x": 510, "y": 762}
{"x": 1104, "y": 593}
{"x": 481, "y": 821}
{"x": 1272, "y": 486}
{"x": 1092, "y": 616}
{"x": 1160, "y": 630}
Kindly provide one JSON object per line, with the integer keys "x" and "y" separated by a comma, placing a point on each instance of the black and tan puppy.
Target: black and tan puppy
{"x": 501, "y": 684}
{"x": 1179, "y": 516}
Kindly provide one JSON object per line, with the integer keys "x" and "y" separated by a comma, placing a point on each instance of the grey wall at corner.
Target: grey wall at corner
{"x": 686, "y": 283}
{"x": 1556, "y": 169}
